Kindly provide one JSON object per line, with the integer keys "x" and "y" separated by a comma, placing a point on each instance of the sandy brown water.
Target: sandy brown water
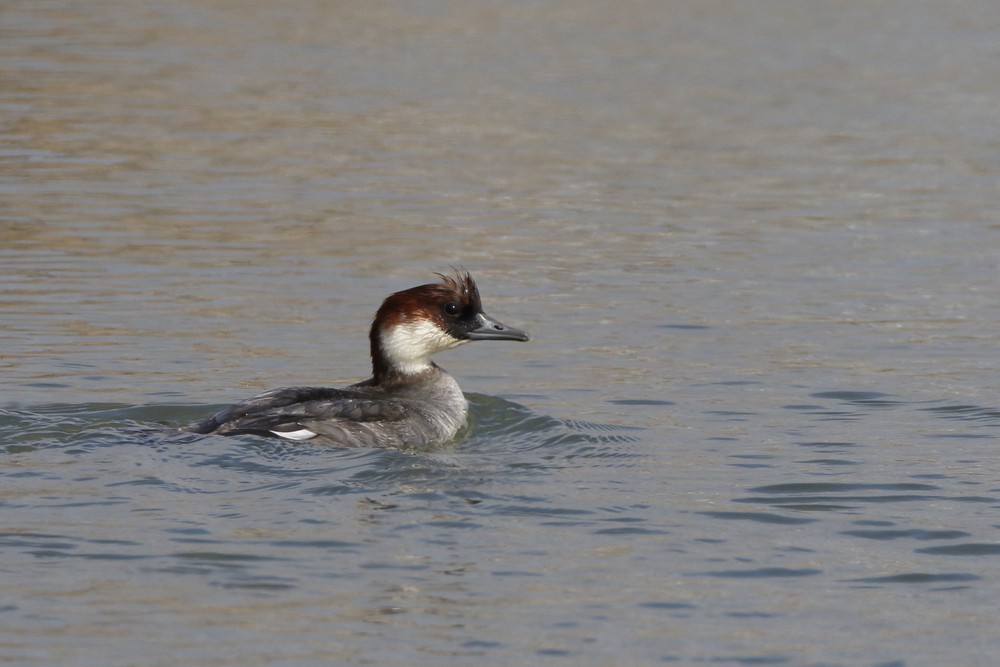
{"x": 757, "y": 246}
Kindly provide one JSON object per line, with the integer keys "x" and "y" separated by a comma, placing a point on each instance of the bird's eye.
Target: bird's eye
{"x": 452, "y": 308}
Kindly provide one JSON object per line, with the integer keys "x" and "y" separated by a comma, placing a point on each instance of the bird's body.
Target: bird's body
{"x": 409, "y": 400}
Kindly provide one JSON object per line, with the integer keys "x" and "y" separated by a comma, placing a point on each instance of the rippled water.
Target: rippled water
{"x": 757, "y": 247}
{"x": 532, "y": 537}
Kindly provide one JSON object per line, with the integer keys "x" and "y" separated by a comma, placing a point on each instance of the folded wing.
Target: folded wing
{"x": 300, "y": 413}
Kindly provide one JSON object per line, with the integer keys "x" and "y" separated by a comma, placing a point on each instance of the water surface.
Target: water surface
{"x": 756, "y": 246}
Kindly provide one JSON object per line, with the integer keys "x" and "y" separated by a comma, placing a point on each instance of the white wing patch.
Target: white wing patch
{"x": 298, "y": 436}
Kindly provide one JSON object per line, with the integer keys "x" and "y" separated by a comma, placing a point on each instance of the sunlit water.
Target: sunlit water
{"x": 757, "y": 247}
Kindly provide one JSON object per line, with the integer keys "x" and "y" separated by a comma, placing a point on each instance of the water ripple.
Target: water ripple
{"x": 914, "y": 534}
{"x": 966, "y": 413}
{"x": 918, "y": 578}
{"x": 763, "y": 573}
{"x": 503, "y": 438}
{"x": 759, "y": 517}
{"x": 967, "y": 549}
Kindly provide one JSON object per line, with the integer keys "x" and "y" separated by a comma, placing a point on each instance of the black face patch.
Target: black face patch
{"x": 460, "y": 304}
{"x": 461, "y": 324}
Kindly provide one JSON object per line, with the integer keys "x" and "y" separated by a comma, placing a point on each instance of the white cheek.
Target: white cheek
{"x": 408, "y": 347}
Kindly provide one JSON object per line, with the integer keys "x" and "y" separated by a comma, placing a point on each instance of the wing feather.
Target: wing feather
{"x": 290, "y": 409}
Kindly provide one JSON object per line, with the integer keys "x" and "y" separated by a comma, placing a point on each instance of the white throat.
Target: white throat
{"x": 408, "y": 347}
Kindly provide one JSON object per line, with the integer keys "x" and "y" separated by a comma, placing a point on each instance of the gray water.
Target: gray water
{"x": 757, "y": 246}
